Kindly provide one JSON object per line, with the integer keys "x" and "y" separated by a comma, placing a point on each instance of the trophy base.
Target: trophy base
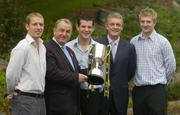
{"x": 95, "y": 80}
{"x": 95, "y": 77}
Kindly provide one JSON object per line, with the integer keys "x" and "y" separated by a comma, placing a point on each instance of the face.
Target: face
{"x": 85, "y": 29}
{"x": 147, "y": 25}
{"x": 62, "y": 32}
{"x": 35, "y": 27}
{"x": 114, "y": 26}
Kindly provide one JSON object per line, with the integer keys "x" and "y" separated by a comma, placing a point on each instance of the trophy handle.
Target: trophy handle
{"x": 107, "y": 69}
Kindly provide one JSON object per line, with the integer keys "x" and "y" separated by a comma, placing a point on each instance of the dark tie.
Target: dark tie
{"x": 67, "y": 55}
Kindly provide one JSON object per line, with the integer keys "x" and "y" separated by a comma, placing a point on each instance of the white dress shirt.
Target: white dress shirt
{"x": 27, "y": 67}
{"x": 113, "y": 45}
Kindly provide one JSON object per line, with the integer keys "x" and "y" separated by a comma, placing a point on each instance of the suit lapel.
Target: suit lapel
{"x": 73, "y": 59}
{"x": 120, "y": 49}
{"x": 61, "y": 53}
{"x": 106, "y": 42}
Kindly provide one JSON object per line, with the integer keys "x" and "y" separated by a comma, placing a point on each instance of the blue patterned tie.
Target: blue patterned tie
{"x": 67, "y": 55}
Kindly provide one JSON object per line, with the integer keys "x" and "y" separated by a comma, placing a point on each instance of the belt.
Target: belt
{"x": 29, "y": 94}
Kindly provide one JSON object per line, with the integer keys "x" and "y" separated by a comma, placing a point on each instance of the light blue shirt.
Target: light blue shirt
{"x": 82, "y": 57}
{"x": 155, "y": 60}
{"x": 63, "y": 47}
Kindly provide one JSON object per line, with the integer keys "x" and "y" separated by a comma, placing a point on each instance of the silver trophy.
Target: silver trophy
{"x": 96, "y": 62}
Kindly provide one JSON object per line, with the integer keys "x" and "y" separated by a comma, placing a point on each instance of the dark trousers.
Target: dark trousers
{"x": 150, "y": 100}
{"x": 109, "y": 107}
{"x": 90, "y": 102}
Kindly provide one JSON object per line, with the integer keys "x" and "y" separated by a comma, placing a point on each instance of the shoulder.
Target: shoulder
{"x": 163, "y": 42}
{"x": 50, "y": 43}
{"x": 71, "y": 43}
{"x": 22, "y": 45}
{"x": 21, "y": 49}
{"x": 102, "y": 40}
{"x": 94, "y": 41}
{"x": 162, "y": 38}
{"x": 126, "y": 43}
{"x": 134, "y": 39}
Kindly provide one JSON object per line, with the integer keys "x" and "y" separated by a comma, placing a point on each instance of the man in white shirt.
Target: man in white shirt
{"x": 25, "y": 75}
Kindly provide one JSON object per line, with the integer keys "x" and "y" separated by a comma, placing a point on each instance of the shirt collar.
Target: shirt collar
{"x": 110, "y": 40}
{"x": 31, "y": 40}
{"x": 61, "y": 46}
{"x": 76, "y": 42}
{"x": 151, "y": 36}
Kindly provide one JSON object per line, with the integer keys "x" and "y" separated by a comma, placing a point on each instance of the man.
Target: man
{"x": 25, "y": 75}
{"x": 155, "y": 67}
{"x": 62, "y": 77}
{"x": 122, "y": 65}
{"x": 89, "y": 97}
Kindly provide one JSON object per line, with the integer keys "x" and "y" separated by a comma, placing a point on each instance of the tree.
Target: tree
{"x": 11, "y": 28}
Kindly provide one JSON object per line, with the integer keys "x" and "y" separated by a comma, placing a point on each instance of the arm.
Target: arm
{"x": 14, "y": 69}
{"x": 168, "y": 60}
{"x": 132, "y": 62}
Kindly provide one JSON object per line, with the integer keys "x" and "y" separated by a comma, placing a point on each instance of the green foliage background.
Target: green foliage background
{"x": 13, "y": 12}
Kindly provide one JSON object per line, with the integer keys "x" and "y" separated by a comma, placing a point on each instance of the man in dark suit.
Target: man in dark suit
{"x": 62, "y": 77}
{"x": 122, "y": 66}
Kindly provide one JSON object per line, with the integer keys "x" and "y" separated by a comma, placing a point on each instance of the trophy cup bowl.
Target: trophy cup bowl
{"x": 96, "y": 61}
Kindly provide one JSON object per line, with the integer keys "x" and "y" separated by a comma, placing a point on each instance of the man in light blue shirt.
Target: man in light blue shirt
{"x": 89, "y": 99}
{"x": 155, "y": 67}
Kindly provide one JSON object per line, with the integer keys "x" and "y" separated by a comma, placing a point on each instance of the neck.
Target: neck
{"x": 113, "y": 38}
{"x": 146, "y": 34}
{"x": 84, "y": 42}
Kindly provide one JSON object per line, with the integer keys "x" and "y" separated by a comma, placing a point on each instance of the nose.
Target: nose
{"x": 39, "y": 26}
{"x": 116, "y": 26}
{"x": 86, "y": 29}
{"x": 64, "y": 32}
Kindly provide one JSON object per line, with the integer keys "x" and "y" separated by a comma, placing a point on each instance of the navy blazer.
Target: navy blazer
{"x": 62, "y": 85}
{"x": 122, "y": 69}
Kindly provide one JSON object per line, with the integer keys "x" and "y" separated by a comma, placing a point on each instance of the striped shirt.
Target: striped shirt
{"x": 155, "y": 60}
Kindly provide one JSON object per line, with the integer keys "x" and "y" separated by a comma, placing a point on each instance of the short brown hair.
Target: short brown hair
{"x": 62, "y": 20}
{"x": 148, "y": 12}
{"x": 114, "y": 15}
{"x": 33, "y": 14}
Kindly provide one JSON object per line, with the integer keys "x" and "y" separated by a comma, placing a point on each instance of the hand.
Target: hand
{"x": 8, "y": 98}
{"x": 82, "y": 78}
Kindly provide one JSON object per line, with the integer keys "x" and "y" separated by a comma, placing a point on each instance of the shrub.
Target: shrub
{"x": 11, "y": 30}
{"x": 4, "y": 107}
{"x": 173, "y": 91}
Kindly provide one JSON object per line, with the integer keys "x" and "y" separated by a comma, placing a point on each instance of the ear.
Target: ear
{"x": 93, "y": 28}
{"x": 77, "y": 27}
{"x": 27, "y": 27}
{"x": 54, "y": 30}
{"x": 106, "y": 26}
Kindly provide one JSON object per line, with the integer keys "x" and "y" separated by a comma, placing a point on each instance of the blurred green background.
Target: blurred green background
{"x": 13, "y": 12}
